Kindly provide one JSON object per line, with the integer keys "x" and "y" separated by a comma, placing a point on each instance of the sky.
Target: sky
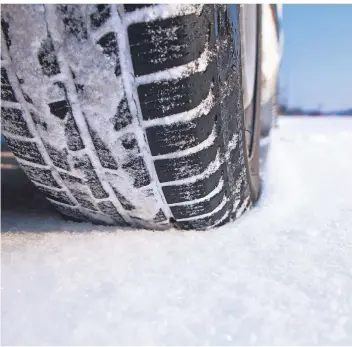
{"x": 316, "y": 68}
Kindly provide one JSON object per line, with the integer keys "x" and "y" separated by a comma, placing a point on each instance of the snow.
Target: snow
{"x": 203, "y": 108}
{"x": 282, "y": 274}
{"x": 177, "y": 72}
{"x": 162, "y": 12}
{"x": 209, "y": 141}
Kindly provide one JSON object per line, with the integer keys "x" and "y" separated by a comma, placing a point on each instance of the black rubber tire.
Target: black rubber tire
{"x": 129, "y": 115}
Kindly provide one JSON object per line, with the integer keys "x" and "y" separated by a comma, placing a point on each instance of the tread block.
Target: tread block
{"x": 73, "y": 20}
{"x": 83, "y": 199}
{"x": 108, "y": 208}
{"x": 47, "y": 58}
{"x": 203, "y": 223}
{"x": 42, "y": 176}
{"x": 8, "y": 94}
{"x": 126, "y": 204}
{"x": 105, "y": 157}
{"x": 163, "y": 44}
{"x": 187, "y": 166}
{"x": 166, "y": 139}
{"x": 100, "y": 15}
{"x": 58, "y": 157}
{"x": 130, "y": 143}
{"x": 84, "y": 164}
{"x": 109, "y": 44}
{"x": 186, "y": 211}
{"x": 57, "y": 195}
{"x": 5, "y": 29}
{"x": 74, "y": 140}
{"x": 160, "y": 217}
{"x": 25, "y": 150}
{"x": 123, "y": 115}
{"x": 169, "y": 97}
{"x": 4, "y": 77}
{"x": 13, "y": 122}
{"x": 70, "y": 212}
{"x": 133, "y": 7}
{"x": 70, "y": 180}
{"x": 59, "y": 108}
{"x": 137, "y": 169}
{"x": 193, "y": 191}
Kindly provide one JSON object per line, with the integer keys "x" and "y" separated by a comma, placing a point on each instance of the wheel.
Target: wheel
{"x": 250, "y": 26}
{"x": 133, "y": 115}
{"x": 270, "y": 62}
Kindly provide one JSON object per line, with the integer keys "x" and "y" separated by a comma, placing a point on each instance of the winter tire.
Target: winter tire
{"x": 131, "y": 115}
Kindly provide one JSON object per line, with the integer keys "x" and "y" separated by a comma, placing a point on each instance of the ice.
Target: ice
{"x": 281, "y": 274}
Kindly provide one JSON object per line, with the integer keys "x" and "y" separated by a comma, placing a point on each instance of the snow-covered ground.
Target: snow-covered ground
{"x": 282, "y": 274}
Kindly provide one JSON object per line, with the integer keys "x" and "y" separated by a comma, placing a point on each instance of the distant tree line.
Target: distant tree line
{"x": 284, "y": 109}
{"x": 297, "y": 111}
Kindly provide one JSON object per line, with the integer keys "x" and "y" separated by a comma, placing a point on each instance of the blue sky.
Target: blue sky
{"x": 317, "y": 61}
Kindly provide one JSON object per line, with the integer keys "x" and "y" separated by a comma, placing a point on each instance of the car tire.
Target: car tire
{"x": 130, "y": 115}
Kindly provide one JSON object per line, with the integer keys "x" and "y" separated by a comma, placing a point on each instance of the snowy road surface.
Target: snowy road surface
{"x": 282, "y": 274}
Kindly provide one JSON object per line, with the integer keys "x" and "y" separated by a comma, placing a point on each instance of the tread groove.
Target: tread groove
{"x": 146, "y": 169}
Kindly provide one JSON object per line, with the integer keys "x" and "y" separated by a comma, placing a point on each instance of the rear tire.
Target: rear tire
{"x": 129, "y": 115}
